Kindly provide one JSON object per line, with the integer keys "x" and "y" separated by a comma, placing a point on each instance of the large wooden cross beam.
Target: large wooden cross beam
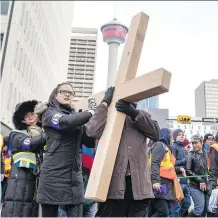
{"x": 129, "y": 88}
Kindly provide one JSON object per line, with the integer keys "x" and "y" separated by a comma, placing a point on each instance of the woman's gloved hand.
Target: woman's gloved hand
{"x": 108, "y": 95}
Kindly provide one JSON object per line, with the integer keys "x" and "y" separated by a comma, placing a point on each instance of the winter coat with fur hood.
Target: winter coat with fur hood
{"x": 19, "y": 200}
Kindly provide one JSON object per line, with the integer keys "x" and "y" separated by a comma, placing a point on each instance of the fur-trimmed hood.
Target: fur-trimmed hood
{"x": 40, "y": 108}
{"x": 21, "y": 110}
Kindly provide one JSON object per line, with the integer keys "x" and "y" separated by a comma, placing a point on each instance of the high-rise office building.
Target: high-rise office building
{"x": 206, "y": 99}
{"x": 81, "y": 67}
{"x": 35, "y": 51}
{"x": 152, "y": 102}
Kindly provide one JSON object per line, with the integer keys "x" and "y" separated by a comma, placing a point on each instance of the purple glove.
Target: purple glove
{"x": 26, "y": 144}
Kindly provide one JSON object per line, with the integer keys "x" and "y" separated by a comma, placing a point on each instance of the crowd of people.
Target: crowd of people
{"x": 47, "y": 159}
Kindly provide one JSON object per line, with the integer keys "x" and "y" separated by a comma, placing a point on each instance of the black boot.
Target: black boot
{"x": 191, "y": 214}
{"x": 209, "y": 214}
{"x": 185, "y": 214}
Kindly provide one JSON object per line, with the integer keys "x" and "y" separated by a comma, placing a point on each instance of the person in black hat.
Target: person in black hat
{"x": 25, "y": 144}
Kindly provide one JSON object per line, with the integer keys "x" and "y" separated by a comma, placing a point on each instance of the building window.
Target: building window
{"x": 24, "y": 67}
{"x": 4, "y": 7}
{"x": 16, "y": 53}
{"x": 22, "y": 14}
{"x": 10, "y": 101}
{"x": 26, "y": 21}
{"x": 21, "y": 59}
{"x": 2, "y": 37}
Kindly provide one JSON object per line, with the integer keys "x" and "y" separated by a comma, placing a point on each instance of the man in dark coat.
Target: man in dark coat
{"x": 196, "y": 166}
{"x": 24, "y": 142}
{"x": 130, "y": 189}
{"x": 61, "y": 180}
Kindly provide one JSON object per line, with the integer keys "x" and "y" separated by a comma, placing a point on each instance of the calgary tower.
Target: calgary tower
{"x": 114, "y": 34}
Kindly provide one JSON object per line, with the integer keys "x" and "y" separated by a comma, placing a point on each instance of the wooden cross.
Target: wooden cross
{"x": 129, "y": 88}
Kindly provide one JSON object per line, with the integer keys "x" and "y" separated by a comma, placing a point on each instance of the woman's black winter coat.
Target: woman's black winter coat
{"x": 20, "y": 193}
{"x": 61, "y": 181}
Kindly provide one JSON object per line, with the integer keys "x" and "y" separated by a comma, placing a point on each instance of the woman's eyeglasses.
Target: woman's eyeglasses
{"x": 65, "y": 92}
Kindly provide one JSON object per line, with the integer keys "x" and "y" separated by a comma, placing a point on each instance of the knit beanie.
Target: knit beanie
{"x": 176, "y": 133}
{"x": 186, "y": 142}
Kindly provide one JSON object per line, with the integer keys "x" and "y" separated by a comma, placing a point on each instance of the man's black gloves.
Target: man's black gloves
{"x": 108, "y": 95}
{"x": 127, "y": 108}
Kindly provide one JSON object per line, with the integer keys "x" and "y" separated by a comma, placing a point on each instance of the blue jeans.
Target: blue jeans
{"x": 200, "y": 202}
{"x": 61, "y": 212}
{"x": 90, "y": 210}
{"x": 178, "y": 209}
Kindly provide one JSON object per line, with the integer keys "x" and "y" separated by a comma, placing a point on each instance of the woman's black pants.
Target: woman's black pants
{"x": 52, "y": 210}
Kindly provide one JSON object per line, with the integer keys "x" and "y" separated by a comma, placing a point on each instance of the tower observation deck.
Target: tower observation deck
{"x": 114, "y": 34}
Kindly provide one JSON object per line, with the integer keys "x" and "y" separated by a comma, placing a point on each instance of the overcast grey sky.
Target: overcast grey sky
{"x": 182, "y": 37}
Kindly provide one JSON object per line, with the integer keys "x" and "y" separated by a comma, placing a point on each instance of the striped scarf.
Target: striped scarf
{"x": 88, "y": 155}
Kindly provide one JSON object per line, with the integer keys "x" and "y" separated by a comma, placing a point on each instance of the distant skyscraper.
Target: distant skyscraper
{"x": 152, "y": 102}
{"x": 35, "y": 49}
{"x": 206, "y": 99}
{"x": 81, "y": 67}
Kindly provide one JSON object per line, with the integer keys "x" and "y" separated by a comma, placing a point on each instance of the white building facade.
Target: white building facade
{"x": 36, "y": 58}
{"x": 82, "y": 61}
{"x": 194, "y": 128}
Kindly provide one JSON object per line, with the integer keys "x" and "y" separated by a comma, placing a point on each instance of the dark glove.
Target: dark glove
{"x": 108, "y": 95}
{"x": 127, "y": 108}
{"x": 38, "y": 142}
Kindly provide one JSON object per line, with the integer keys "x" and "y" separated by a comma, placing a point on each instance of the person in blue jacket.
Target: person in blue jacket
{"x": 180, "y": 209}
